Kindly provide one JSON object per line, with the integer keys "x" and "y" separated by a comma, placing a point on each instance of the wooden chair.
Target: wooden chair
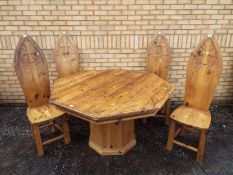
{"x": 158, "y": 61}
{"x": 32, "y": 71}
{"x": 66, "y": 56}
{"x": 203, "y": 72}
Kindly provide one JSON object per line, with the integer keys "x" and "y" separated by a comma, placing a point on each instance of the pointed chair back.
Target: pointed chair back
{"x": 66, "y": 56}
{"x": 203, "y": 72}
{"x": 32, "y": 71}
{"x": 158, "y": 56}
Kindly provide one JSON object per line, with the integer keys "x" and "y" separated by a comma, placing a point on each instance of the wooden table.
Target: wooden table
{"x": 111, "y": 100}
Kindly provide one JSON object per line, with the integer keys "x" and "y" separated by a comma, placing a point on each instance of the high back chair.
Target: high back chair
{"x": 203, "y": 72}
{"x": 66, "y": 56}
{"x": 158, "y": 62}
{"x": 32, "y": 71}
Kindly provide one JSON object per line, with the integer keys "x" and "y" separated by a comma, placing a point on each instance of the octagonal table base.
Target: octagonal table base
{"x": 113, "y": 138}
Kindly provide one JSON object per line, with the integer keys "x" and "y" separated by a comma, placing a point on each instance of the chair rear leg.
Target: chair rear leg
{"x": 182, "y": 131}
{"x": 201, "y": 147}
{"x": 53, "y": 127}
{"x": 171, "y": 135}
{"x": 144, "y": 120}
{"x": 38, "y": 140}
{"x": 66, "y": 129}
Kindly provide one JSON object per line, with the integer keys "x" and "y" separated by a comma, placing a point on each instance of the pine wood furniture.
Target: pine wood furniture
{"x": 111, "y": 100}
{"x": 66, "y": 56}
{"x": 158, "y": 62}
{"x": 203, "y": 72}
{"x": 32, "y": 71}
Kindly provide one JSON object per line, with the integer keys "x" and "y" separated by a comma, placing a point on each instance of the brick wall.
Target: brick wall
{"x": 114, "y": 34}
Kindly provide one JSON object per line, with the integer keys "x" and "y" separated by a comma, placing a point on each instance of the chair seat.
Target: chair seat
{"x": 43, "y": 113}
{"x": 192, "y": 117}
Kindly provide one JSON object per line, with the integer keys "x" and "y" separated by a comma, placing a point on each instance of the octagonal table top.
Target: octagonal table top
{"x": 110, "y": 95}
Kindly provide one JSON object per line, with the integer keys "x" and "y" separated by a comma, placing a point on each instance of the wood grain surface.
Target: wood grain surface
{"x": 43, "y": 113}
{"x": 203, "y": 72}
{"x": 159, "y": 56}
{"x": 66, "y": 56}
{"x": 32, "y": 71}
{"x": 192, "y": 116}
{"x": 112, "y": 138}
{"x": 111, "y": 94}
{"x": 158, "y": 62}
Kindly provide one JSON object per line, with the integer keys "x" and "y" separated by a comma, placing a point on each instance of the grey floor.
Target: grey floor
{"x": 149, "y": 156}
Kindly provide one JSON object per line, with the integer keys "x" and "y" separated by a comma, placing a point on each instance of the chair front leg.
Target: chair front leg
{"x": 201, "y": 147}
{"x": 167, "y": 112}
{"x": 38, "y": 140}
{"x": 66, "y": 130}
{"x": 32, "y": 132}
{"x": 171, "y": 135}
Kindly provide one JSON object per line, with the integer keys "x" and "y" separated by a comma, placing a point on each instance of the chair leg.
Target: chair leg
{"x": 32, "y": 132}
{"x": 201, "y": 147}
{"x": 66, "y": 129}
{"x": 167, "y": 112}
{"x": 144, "y": 120}
{"x": 53, "y": 127}
{"x": 182, "y": 131}
{"x": 38, "y": 140}
{"x": 171, "y": 135}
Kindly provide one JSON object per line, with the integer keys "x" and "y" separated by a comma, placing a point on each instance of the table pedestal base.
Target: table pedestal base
{"x": 113, "y": 138}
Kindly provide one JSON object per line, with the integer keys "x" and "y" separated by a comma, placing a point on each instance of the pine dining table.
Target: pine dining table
{"x": 111, "y": 100}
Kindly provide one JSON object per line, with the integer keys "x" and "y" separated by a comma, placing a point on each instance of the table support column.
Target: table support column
{"x": 112, "y": 138}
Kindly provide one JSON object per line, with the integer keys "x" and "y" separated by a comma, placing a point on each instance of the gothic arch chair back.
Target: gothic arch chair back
{"x": 32, "y": 71}
{"x": 158, "y": 58}
{"x": 203, "y": 72}
{"x": 66, "y": 56}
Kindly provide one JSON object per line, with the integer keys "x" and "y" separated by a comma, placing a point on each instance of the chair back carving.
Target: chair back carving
{"x": 66, "y": 56}
{"x": 158, "y": 56}
{"x": 203, "y": 72}
{"x": 32, "y": 71}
